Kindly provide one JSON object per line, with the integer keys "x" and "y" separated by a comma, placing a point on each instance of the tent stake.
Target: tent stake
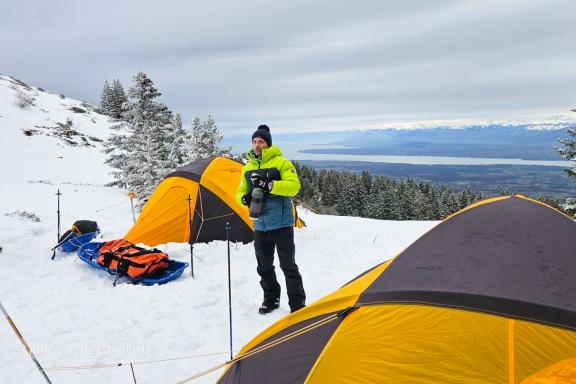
{"x": 190, "y": 239}
{"x": 229, "y": 286}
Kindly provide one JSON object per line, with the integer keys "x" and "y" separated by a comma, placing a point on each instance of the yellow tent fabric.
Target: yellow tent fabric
{"x": 165, "y": 216}
{"x": 425, "y": 344}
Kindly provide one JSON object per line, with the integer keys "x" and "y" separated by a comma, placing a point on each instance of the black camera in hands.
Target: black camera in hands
{"x": 259, "y": 185}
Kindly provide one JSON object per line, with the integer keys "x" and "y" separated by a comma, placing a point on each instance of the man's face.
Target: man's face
{"x": 258, "y": 144}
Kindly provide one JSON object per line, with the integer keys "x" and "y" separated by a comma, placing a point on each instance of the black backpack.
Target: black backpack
{"x": 80, "y": 227}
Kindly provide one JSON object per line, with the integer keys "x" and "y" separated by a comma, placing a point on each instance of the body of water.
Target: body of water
{"x": 295, "y": 154}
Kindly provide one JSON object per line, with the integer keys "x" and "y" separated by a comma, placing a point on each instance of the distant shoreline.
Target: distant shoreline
{"x": 311, "y": 155}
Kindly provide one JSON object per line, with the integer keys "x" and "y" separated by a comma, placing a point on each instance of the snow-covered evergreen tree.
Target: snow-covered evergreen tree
{"x": 307, "y": 177}
{"x": 375, "y": 207}
{"x": 391, "y": 201}
{"x": 116, "y": 147}
{"x": 448, "y": 203}
{"x": 568, "y": 150}
{"x": 367, "y": 180}
{"x": 407, "y": 199}
{"x": 465, "y": 198}
{"x": 190, "y": 141}
{"x": 113, "y": 99}
{"x": 331, "y": 187}
{"x": 352, "y": 198}
{"x": 106, "y": 99}
{"x": 118, "y": 100}
{"x": 139, "y": 151}
{"x": 430, "y": 202}
{"x": 204, "y": 140}
{"x": 176, "y": 141}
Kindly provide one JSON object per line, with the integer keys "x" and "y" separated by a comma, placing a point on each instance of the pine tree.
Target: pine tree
{"x": 568, "y": 149}
{"x": 307, "y": 176}
{"x": 116, "y": 147}
{"x": 375, "y": 207}
{"x": 392, "y": 204}
{"x": 351, "y": 200}
{"x": 106, "y": 99}
{"x": 433, "y": 203}
{"x": 465, "y": 198}
{"x": 118, "y": 100}
{"x": 176, "y": 141}
{"x": 428, "y": 201}
{"x": 139, "y": 151}
{"x": 367, "y": 180}
{"x": 190, "y": 139}
{"x": 448, "y": 203}
{"x": 331, "y": 188}
{"x": 419, "y": 211}
{"x": 405, "y": 199}
{"x": 204, "y": 139}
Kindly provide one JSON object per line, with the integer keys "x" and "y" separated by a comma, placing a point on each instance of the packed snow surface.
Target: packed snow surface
{"x": 71, "y": 315}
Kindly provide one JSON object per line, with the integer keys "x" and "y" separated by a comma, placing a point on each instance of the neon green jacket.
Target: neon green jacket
{"x": 277, "y": 205}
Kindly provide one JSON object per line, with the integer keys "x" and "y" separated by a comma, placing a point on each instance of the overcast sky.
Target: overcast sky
{"x": 314, "y": 64}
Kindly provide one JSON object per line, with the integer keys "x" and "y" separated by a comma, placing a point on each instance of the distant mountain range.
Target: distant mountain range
{"x": 529, "y": 141}
{"x": 493, "y": 141}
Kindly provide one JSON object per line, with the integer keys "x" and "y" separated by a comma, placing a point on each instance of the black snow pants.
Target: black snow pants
{"x": 283, "y": 240}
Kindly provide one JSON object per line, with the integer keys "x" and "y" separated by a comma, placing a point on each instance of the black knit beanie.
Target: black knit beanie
{"x": 263, "y": 132}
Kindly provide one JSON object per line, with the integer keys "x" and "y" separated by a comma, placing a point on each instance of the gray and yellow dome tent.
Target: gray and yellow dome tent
{"x": 486, "y": 296}
{"x": 211, "y": 185}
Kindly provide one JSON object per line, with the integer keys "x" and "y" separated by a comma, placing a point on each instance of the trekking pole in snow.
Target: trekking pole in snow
{"x": 190, "y": 239}
{"x": 58, "y": 213}
{"x": 229, "y": 286}
{"x": 28, "y": 349}
{"x": 58, "y": 235}
{"x": 132, "y": 195}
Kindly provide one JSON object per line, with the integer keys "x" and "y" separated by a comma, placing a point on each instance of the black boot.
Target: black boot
{"x": 268, "y": 305}
{"x": 297, "y": 306}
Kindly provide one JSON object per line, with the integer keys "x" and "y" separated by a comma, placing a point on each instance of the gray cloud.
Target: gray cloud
{"x": 305, "y": 65}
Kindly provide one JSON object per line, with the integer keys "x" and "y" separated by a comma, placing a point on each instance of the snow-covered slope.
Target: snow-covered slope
{"x": 52, "y": 134}
{"x": 72, "y": 316}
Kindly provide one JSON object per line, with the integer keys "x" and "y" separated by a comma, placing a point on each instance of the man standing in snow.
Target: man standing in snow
{"x": 274, "y": 228}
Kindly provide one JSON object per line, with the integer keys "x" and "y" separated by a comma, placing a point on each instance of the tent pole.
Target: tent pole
{"x": 229, "y": 287}
{"x": 190, "y": 238}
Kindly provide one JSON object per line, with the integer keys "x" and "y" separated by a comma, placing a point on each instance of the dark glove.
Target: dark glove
{"x": 247, "y": 199}
{"x": 259, "y": 182}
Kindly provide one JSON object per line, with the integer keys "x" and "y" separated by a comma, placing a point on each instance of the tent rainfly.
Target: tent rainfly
{"x": 486, "y": 296}
{"x": 211, "y": 185}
